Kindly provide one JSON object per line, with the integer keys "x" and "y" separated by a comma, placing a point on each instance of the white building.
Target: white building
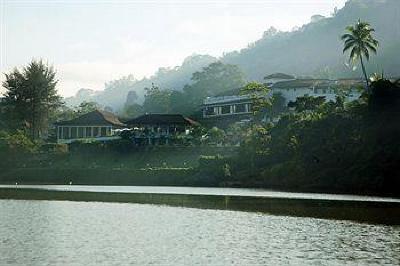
{"x": 227, "y": 106}
{"x": 287, "y": 86}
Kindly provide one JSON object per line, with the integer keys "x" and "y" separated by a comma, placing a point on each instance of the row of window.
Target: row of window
{"x": 83, "y": 132}
{"x": 228, "y": 109}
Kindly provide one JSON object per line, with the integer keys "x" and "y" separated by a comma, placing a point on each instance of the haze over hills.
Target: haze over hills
{"x": 315, "y": 50}
{"x": 167, "y": 78}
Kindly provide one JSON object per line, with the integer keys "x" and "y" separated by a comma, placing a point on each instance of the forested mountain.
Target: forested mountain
{"x": 315, "y": 49}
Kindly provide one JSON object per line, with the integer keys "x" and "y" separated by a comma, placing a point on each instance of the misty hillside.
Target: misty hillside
{"x": 116, "y": 92}
{"x": 315, "y": 49}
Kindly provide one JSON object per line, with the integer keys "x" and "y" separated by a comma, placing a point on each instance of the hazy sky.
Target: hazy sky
{"x": 91, "y": 42}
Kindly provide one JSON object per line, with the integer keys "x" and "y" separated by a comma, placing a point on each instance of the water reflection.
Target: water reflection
{"x": 44, "y": 232}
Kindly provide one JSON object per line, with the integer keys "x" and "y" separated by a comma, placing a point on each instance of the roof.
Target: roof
{"x": 301, "y": 83}
{"x": 232, "y": 92}
{"x": 162, "y": 119}
{"x": 350, "y": 82}
{"x": 279, "y": 76}
{"x": 95, "y": 118}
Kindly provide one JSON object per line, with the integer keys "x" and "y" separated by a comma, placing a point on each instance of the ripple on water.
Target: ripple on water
{"x": 93, "y": 233}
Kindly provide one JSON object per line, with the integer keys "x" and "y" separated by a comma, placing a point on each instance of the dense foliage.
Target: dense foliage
{"x": 332, "y": 146}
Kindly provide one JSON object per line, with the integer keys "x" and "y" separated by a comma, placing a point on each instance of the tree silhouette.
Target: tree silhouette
{"x": 360, "y": 41}
{"x": 31, "y": 96}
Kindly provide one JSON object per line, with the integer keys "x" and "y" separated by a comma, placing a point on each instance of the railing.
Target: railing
{"x": 88, "y": 139}
{"x": 222, "y": 99}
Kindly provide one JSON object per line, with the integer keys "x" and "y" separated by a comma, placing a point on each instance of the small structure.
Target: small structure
{"x": 97, "y": 125}
{"x": 151, "y": 129}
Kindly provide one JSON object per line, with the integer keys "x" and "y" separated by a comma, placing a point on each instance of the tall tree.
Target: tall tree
{"x": 31, "y": 97}
{"x": 360, "y": 42}
{"x": 213, "y": 80}
{"x": 259, "y": 95}
{"x": 156, "y": 100}
{"x": 306, "y": 103}
{"x": 87, "y": 107}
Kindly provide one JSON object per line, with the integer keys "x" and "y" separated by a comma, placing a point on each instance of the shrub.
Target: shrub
{"x": 57, "y": 148}
{"x": 19, "y": 142}
{"x": 216, "y": 167}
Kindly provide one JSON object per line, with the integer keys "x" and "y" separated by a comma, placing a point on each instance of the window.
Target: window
{"x": 226, "y": 109}
{"x": 103, "y": 131}
{"x": 240, "y": 108}
{"x": 96, "y": 131}
{"x": 109, "y": 133}
{"x": 80, "y": 132}
{"x": 74, "y": 133}
{"x": 210, "y": 111}
{"x": 164, "y": 130}
{"x": 88, "y": 132}
{"x": 65, "y": 132}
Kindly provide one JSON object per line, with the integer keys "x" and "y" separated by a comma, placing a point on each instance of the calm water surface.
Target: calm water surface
{"x": 94, "y": 233}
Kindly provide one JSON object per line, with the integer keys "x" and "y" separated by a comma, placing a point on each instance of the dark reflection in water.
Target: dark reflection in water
{"x": 54, "y": 233}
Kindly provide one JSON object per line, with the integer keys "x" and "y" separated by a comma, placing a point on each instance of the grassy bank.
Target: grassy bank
{"x": 156, "y": 166}
{"x": 102, "y": 176}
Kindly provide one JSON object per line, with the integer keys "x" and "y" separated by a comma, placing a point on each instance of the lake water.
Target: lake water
{"x": 95, "y": 233}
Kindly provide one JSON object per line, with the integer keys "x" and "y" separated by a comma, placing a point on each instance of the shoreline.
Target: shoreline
{"x": 375, "y": 212}
{"x": 185, "y": 181}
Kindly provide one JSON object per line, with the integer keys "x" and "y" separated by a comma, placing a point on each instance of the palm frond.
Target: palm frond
{"x": 350, "y": 29}
{"x": 366, "y": 52}
{"x": 354, "y": 54}
{"x": 347, "y": 36}
{"x": 348, "y": 46}
{"x": 375, "y": 42}
{"x": 371, "y": 47}
{"x": 350, "y": 41}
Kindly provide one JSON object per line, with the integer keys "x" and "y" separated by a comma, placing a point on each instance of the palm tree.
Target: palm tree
{"x": 360, "y": 40}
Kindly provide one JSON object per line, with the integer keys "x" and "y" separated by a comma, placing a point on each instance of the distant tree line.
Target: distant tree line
{"x": 210, "y": 81}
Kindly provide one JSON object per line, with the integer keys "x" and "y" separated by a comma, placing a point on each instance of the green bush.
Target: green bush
{"x": 18, "y": 142}
{"x": 216, "y": 167}
{"x": 57, "y": 148}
